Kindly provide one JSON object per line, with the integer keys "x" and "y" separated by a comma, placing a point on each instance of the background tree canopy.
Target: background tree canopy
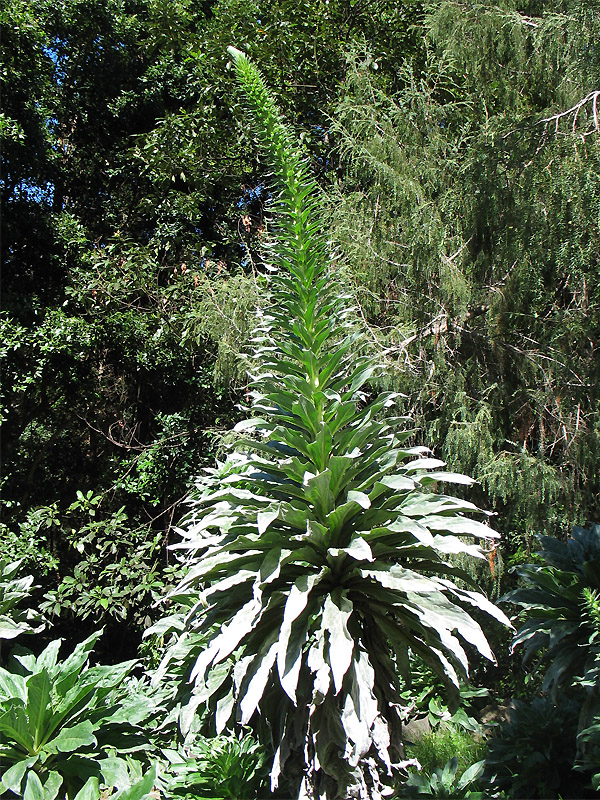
{"x": 458, "y": 147}
{"x": 469, "y": 203}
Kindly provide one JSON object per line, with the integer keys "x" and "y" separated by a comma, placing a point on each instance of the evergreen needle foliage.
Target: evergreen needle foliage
{"x": 318, "y": 554}
{"x": 468, "y": 202}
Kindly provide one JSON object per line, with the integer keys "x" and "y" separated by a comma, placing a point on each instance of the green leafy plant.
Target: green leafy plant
{"x": 318, "y": 555}
{"x": 589, "y": 760}
{"x": 225, "y": 767}
{"x": 588, "y": 738}
{"x": 60, "y": 719}
{"x": 434, "y": 748}
{"x": 560, "y": 616}
{"x": 446, "y": 782}
{"x": 13, "y": 591}
{"x": 116, "y": 573}
{"x": 553, "y": 598}
{"x": 136, "y": 786}
{"x": 28, "y": 544}
{"x": 426, "y": 698}
{"x": 532, "y": 753}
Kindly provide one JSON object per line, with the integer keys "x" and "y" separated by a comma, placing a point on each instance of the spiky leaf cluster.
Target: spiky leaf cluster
{"x": 13, "y": 591}
{"x": 319, "y": 553}
{"x": 558, "y": 620}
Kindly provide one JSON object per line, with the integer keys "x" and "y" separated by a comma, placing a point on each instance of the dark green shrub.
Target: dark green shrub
{"x": 561, "y": 615}
{"x": 446, "y": 782}
{"x": 557, "y": 626}
{"x": 531, "y": 755}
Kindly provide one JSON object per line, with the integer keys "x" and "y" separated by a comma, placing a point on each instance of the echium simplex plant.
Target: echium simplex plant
{"x": 14, "y": 591}
{"x": 558, "y": 609}
{"x": 318, "y": 555}
{"x": 561, "y": 622}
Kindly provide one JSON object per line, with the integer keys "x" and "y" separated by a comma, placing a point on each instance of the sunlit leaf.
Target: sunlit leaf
{"x": 291, "y": 643}
{"x": 336, "y": 611}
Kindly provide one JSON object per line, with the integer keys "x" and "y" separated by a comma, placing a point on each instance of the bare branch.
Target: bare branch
{"x": 575, "y": 111}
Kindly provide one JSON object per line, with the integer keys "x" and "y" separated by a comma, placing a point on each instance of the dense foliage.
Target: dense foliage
{"x": 464, "y": 144}
{"x": 469, "y": 202}
{"x": 132, "y": 205}
{"x": 455, "y": 147}
{"x": 559, "y": 616}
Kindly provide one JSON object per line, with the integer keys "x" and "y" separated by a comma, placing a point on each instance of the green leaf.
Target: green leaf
{"x": 233, "y": 583}
{"x": 38, "y": 708}
{"x": 438, "y": 611}
{"x": 318, "y": 492}
{"x": 444, "y": 477}
{"x": 361, "y": 712}
{"x": 340, "y": 467}
{"x": 400, "y": 483}
{"x": 321, "y": 449}
{"x": 11, "y": 628}
{"x": 12, "y": 686}
{"x": 480, "y": 601}
{"x": 339, "y": 520}
{"x": 250, "y": 424}
{"x": 33, "y": 788}
{"x": 48, "y": 658}
{"x": 115, "y": 772}
{"x": 289, "y": 650}
{"x": 449, "y": 772}
{"x": 140, "y": 790}
{"x": 89, "y": 791}
{"x": 423, "y": 463}
{"x": 52, "y": 785}
{"x": 358, "y": 549}
{"x": 252, "y": 696}
{"x": 92, "y": 685}
{"x": 13, "y": 776}
{"x": 401, "y": 579}
{"x": 360, "y": 376}
{"x": 73, "y": 738}
{"x": 340, "y": 415}
{"x": 470, "y": 775}
{"x": 230, "y": 637}
{"x": 270, "y": 569}
{"x": 319, "y": 666}
{"x": 223, "y": 712}
{"x": 308, "y": 414}
{"x": 15, "y": 725}
{"x": 265, "y": 518}
{"x": 462, "y": 526}
{"x": 337, "y": 610}
{"x": 360, "y": 498}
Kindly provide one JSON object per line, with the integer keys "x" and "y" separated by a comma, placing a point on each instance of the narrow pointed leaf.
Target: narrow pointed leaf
{"x": 336, "y": 612}
{"x": 256, "y": 686}
{"x": 289, "y": 650}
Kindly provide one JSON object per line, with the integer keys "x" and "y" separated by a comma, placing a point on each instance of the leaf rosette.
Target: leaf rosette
{"x": 59, "y": 721}
{"x": 319, "y": 554}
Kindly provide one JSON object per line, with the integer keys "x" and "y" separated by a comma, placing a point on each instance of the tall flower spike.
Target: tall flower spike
{"x": 318, "y": 554}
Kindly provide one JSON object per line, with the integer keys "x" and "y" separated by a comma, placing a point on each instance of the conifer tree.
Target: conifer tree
{"x": 468, "y": 207}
